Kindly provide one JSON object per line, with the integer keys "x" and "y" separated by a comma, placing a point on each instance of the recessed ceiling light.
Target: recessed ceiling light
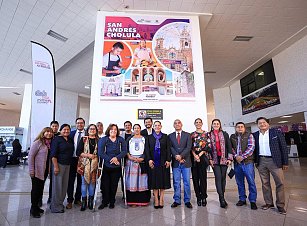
{"x": 57, "y": 36}
{"x": 261, "y": 73}
{"x": 2, "y": 104}
{"x": 87, "y": 86}
{"x": 242, "y": 38}
{"x": 287, "y": 116}
{"x": 283, "y": 122}
{"x": 18, "y": 94}
{"x": 25, "y": 71}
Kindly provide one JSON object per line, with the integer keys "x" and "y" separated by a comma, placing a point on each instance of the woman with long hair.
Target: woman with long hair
{"x": 88, "y": 150}
{"x": 201, "y": 150}
{"x": 137, "y": 190}
{"x": 62, "y": 149}
{"x": 221, "y": 157}
{"x": 158, "y": 157}
{"x": 39, "y": 168}
{"x": 112, "y": 149}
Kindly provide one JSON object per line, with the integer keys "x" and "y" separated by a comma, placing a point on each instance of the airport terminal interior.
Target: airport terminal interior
{"x": 127, "y": 60}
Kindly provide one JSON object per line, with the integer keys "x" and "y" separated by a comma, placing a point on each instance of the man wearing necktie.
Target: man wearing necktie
{"x": 181, "y": 144}
{"x": 243, "y": 145}
{"x": 76, "y": 135}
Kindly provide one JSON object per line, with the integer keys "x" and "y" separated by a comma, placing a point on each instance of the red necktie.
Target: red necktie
{"x": 178, "y": 138}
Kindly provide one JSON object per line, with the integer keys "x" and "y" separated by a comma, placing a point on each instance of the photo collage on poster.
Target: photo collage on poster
{"x": 147, "y": 59}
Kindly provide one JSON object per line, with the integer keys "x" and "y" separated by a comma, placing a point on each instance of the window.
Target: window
{"x": 258, "y": 79}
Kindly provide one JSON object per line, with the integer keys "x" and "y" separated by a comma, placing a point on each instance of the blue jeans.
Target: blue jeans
{"x": 186, "y": 175}
{"x": 84, "y": 187}
{"x": 246, "y": 171}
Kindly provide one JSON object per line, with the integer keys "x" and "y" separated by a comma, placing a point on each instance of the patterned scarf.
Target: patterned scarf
{"x": 91, "y": 165}
{"x": 157, "y": 150}
{"x": 222, "y": 148}
{"x": 47, "y": 143}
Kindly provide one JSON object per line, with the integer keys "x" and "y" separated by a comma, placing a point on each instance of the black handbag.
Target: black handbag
{"x": 231, "y": 173}
{"x": 143, "y": 167}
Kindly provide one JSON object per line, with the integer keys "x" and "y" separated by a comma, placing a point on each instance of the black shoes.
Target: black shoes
{"x": 90, "y": 202}
{"x": 35, "y": 212}
{"x": 84, "y": 203}
{"x": 204, "y": 202}
{"x": 253, "y": 206}
{"x": 111, "y": 206}
{"x": 267, "y": 206}
{"x": 282, "y": 210}
{"x": 102, "y": 206}
{"x": 241, "y": 203}
{"x": 188, "y": 205}
{"x": 175, "y": 204}
{"x": 223, "y": 203}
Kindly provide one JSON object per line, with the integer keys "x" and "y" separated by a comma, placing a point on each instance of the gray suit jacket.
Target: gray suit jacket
{"x": 183, "y": 149}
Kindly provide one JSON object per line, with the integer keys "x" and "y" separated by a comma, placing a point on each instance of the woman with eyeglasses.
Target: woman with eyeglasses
{"x": 87, "y": 150}
{"x": 112, "y": 149}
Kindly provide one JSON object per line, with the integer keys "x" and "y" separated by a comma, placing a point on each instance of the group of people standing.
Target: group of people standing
{"x": 143, "y": 158}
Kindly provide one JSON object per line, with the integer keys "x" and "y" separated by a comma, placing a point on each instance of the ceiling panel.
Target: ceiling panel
{"x": 271, "y": 22}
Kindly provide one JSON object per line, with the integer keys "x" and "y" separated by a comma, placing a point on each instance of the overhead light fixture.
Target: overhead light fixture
{"x": 242, "y": 38}
{"x": 281, "y": 122}
{"x": 25, "y": 71}
{"x": 87, "y": 86}
{"x": 2, "y": 104}
{"x": 210, "y": 72}
{"x": 9, "y": 87}
{"x": 261, "y": 73}
{"x": 287, "y": 116}
{"x": 57, "y": 36}
{"x": 18, "y": 94}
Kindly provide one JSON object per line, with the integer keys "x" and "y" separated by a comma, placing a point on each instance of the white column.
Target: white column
{"x": 66, "y": 106}
{"x": 25, "y": 116}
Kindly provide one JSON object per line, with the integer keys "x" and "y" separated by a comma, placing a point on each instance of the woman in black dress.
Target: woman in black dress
{"x": 158, "y": 157}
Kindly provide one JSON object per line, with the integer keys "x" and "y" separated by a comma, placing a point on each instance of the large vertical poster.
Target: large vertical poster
{"x": 147, "y": 59}
{"x": 147, "y": 62}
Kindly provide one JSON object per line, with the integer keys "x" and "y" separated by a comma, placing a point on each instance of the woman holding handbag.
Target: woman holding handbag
{"x": 39, "y": 168}
{"x": 137, "y": 190}
{"x": 201, "y": 150}
{"x": 221, "y": 157}
{"x": 87, "y": 151}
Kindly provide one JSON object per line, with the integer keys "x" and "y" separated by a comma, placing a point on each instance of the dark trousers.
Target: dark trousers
{"x": 71, "y": 182}
{"x": 36, "y": 192}
{"x": 50, "y": 185}
{"x": 199, "y": 176}
{"x": 110, "y": 178}
{"x": 220, "y": 179}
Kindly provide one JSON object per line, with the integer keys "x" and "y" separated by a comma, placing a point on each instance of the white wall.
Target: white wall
{"x": 291, "y": 75}
{"x": 9, "y": 118}
{"x": 84, "y": 109}
{"x": 66, "y": 106}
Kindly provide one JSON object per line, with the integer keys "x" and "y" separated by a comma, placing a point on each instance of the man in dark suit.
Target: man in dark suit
{"x": 181, "y": 144}
{"x": 76, "y": 135}
{"x": 271, "y": 157}
{"x": 148, "y": 127}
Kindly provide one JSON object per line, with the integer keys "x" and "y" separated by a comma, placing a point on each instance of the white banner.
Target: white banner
{"x": 43, "y": 89}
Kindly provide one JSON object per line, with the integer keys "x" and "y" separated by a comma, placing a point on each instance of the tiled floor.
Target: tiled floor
{"x": 15, "y": 189}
